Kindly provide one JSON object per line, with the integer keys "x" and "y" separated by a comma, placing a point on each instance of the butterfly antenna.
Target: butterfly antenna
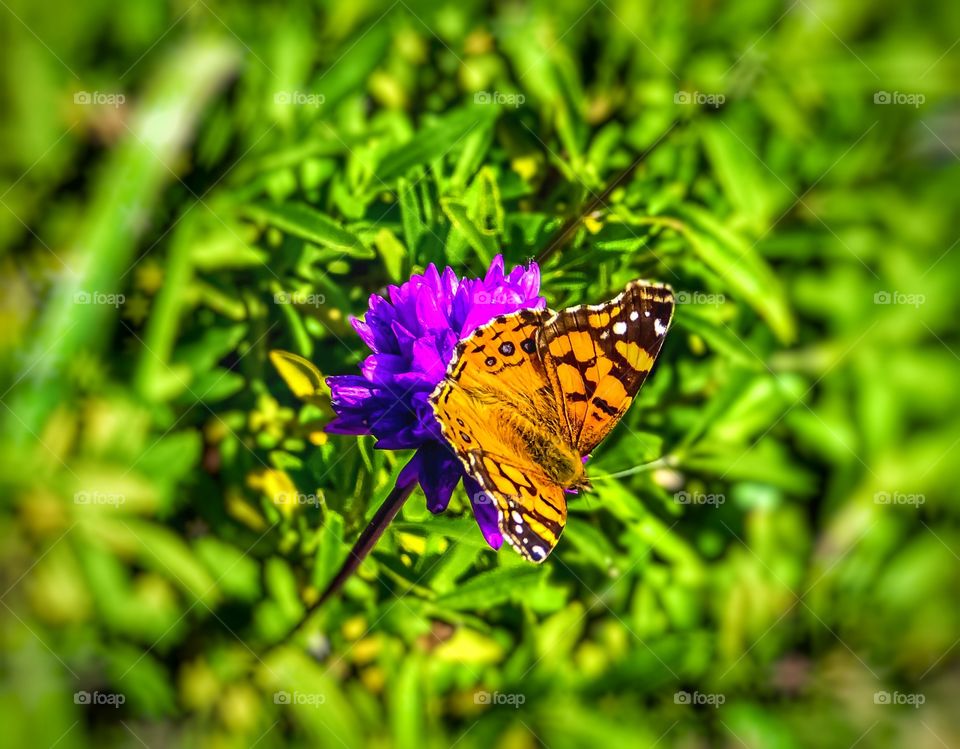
{"x": 653, "y": 465}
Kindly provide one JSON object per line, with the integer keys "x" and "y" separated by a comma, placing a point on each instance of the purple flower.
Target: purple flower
{"x": 412, "y": 334}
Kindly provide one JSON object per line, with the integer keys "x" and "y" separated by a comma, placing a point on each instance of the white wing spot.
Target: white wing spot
{"x": 646, "y": 313}
{"x": 519, "y": 528}
{"x": 659, "y": 327}
{"x": 619, "y": 328}
{"x": 634, "y": 315}
{"x": 517, "y": 517}
{"x": 538, "y": 552}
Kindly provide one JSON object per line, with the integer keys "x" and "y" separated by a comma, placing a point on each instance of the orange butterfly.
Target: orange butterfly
{"x": 529, "y": 394}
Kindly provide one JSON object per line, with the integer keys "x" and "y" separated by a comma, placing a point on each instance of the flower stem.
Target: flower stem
{"x": 364, "y": 544}
{"x": 368, "y": 539}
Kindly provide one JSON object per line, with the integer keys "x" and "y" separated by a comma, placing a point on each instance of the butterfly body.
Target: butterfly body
{"x": 528, "y": 395}
{"x": 560, "y": 462}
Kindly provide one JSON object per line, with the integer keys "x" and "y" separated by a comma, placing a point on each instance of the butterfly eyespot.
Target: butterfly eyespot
{"x": 491, "y": 360}
{"x": 528, "y": 345}
{"x": 465, "y": 437}
{"x": 507, "y": 348}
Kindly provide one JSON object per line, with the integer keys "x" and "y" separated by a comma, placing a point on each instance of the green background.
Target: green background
{"x": 770, "y": 555}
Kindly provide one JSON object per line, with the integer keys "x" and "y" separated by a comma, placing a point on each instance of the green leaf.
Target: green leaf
{"x": 331, "y": 550}
{"x": 737, "y": 262}
{"x": 720, "y": 337}
{"x": 743, "y": 178}
{"x": 484, "y": 244}
{"x": 435, "y": 142}
{"x": 306, "y": 222}
{"x": 408, "y": 713}
{"x": 490, "y": 588}
{"x": 236, "y": 573}
{"x": 213, "y": 345}
{"x": 393, "y": 253}
{"x": 414, "y": 225}
{"x": 160, "y": 549}
{"x": 282, "y": 586}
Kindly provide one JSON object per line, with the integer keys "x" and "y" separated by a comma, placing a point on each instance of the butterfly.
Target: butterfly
{"x": 528, "y": 395}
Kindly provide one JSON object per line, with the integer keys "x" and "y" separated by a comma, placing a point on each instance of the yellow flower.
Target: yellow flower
{"x": 278, "y": 486}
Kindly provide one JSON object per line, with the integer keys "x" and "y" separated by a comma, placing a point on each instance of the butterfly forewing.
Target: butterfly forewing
{"x": 597, "y": 357}
{"x": 499, "y": 364}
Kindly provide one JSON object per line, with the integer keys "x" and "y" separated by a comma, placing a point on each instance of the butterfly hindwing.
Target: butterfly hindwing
{"x": 531, "y": 509}
{"x": 495, "y": 394}
{"x": 597, "y": 357}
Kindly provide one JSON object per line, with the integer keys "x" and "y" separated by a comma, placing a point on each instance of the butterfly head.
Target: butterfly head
{"x": 582, "y": 485}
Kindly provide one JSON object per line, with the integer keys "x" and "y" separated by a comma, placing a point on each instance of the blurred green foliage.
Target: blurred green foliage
{"x": 770, "y": 558}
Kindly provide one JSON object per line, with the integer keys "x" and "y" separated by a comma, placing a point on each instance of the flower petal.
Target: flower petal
{"x": 440, "y": 473}
{"x": 427, "y": 359}
{"x": 347, "y": 424}
{"x": 410, "y": 473}
{"x": 485, "y": 511}
{"x": 382, "y": 369}
{"x": 349, "y": 391}
{"x": 494, "y": 275}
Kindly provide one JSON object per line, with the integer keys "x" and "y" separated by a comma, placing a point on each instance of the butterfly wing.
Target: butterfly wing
{"x": 597, "y": 356}
{"x": 494, "y": 379}
{"x": 531, "y": 509}
{"x": 534, "y": 373}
